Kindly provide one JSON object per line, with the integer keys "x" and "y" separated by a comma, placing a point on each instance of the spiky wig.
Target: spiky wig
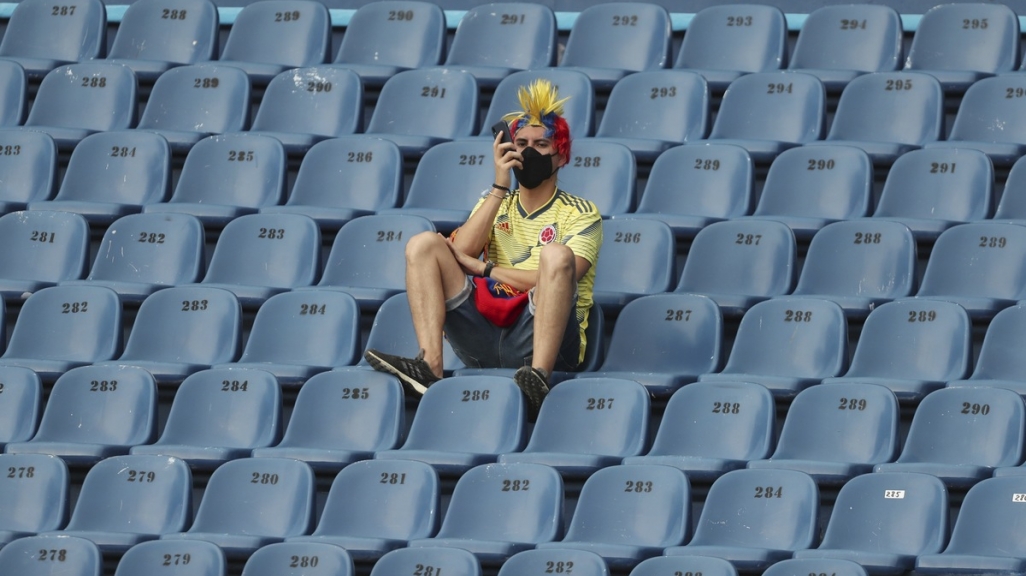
{"x": 541, "y": 106}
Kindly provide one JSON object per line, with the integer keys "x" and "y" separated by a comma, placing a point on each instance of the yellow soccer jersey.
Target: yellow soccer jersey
{"x": 517, "y": 237}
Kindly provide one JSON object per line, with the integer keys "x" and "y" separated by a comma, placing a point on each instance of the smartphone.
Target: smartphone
{"x": 501, "y": 126}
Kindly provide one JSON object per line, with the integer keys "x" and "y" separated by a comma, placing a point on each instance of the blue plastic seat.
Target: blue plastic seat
{"x": 113, "y": 174}
{"x": 960, "y": 44}
{"x": 1000, "y": 363}
{"x": 822, "y": 421}
{"x": 464, "y": 421}
{"x": 707, "y": 566}
{"x": 578, "y": 111}
{"x": 13, "y": 93}
{"x": 912, "y": 346}
{"x": 580, "y": 562}
{"x": 859, "y": 265}
{"x": 990, "y": 120}
{"x": 450, "y": 561}
{"x": 654, "y": 110}
{"x": 151, "y": 41}
{"x": 49, "y": 555}
{"x": 260, "y": 255}
{"x": 738, "y": 263}
{"x": 934, "y": 189}
{"x": 253, "y": 502}
{"x": 298, "y": 334}
{"x": 626, "y": 514}
{"x": 248, "y": 408}
{"x": 28, "y": 168}
{"x": 33, "y": 495}
{"x": 185, "y": 557}
{"x": 839, "y": 43}
{"x": 803, "y": 566}
{"x": 604, "y": 173}
{"x": 182, "y": 330}
{"x": 962, "y": 434}
{"x": 285, "y": 557}
{"x": 723, "y": 43}
{"x": 271, "y": 36}
{"x": 753, "y": 518}
{"x": 376, "y": 506}
{"x": 884, "y": 521}
{"x": 385, "y": 38}
{"x": 41, "y": 39}
{"x": 609, "y": 41}
{"x": 21, "y": 400}
{"x": 189, "y": 103}
{"x": 39, "y": 249}
{"x": 587, "y": 424}
{"x": 690, "y": 187}
{"x": 810, "y": 187}
{"x": 644, "y": 247}
{"x": 392, "y": 332}
{"x": 94, "y": 412}
{"x": 709, "y": 428}
{"x": 1012, "y": 207}
{"x": 485, "y": 33}
{"x": 126, "y": 500}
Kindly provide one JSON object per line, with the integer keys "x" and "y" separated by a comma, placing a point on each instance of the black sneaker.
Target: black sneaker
{"x": 414, "y": 372}
{"x": 534, "y": 385}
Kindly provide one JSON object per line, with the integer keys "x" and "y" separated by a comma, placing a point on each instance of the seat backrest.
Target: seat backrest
{"x": 983, "y": 259}
{"x": 602, "y": 172}
{"x": 644, "y": 247}
{"x": 21, "y": 399}
{"x": 137, "y": 494}
{"x": 402, "y": 33}
{"x": 278, "y": 250}
{"x": 95, "y": 95}
{"x": 392, "y": 332}
{"x": 427, "y": 102}
{"x": 206, "y": 98}
{"x": 172, "y": 31}
{"x": 975, "y": 37}
{"x": 989, "y": 111}
{"x": 285, "y": 557}
{"x": 449, "y": 176}
{"x": 28, "y": 166}
{"x": 898, "y": 107}
{"x": 349, "y": 172}
{"x": 827, "y": 182}
{"x": 751, "y": 257}
{"x": 986, "y": 520}
{"x": 316, "y": 100}
{"x": 121, "y": 167}
{"x": 742, "y": 38}
{"x": 485, "y": 33}
{"x": 953, "y": 184}
{"x": 1013, "y": 196}
{"x": 620, "y": 35}
{"x": 706, "y": 565}
{"x": 777, "y": 106}
{"x": 48, "y": 555}
{"x": 438, "y": 560}
{"x": 309, "y": 328}
{"x": 245, "y": 170}
{"x": 369, "y": 252}
{"x": 999, "y": 357}
{"x": 43, "y": 245}
{"x": 578, "y": 111}
{"x": 711, "y": 180}
{"x": 284, "y": 32}
{"x": 581, "y": 562}
{"x": 13, "y": 93}
{"x": 69, "y": 323}
{"x": 670, "y": 105}
{"x": 163, "y": 249}
{"x": 832, "y": 566}
{"x": 184, "y": 557}
{"x": 33, "y": 492}
{"x": 190, "y": 324}
{"x": 859, "y": 38}
{"x": 65, "y": 33}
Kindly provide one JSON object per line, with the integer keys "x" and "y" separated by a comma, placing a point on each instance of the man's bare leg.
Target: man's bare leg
{"x": 553, "y": 297}
{"x": 432, "y": 277}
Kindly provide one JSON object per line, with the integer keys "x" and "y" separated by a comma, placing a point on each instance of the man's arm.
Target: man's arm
{"x": 520, "y": 279}
{"x": 473, "y": 234}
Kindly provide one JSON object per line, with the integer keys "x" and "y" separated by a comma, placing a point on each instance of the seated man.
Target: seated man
{"x": 525, "y": 305}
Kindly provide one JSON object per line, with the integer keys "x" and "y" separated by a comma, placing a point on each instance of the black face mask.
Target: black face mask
{"x": 537, "y": 168}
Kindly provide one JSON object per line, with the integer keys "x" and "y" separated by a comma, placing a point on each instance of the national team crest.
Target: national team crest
{"x": 547, "y": 234}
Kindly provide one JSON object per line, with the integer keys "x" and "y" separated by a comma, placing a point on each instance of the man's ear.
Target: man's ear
{"x": 560, "y": 161}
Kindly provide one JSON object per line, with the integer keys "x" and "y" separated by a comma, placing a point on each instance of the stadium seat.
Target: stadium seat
{"x": 376, "y": 506}
{"x": 884, "y": 521}
{"x": 604, "y": 173}
{"x": 368, "y": 255}
{"x": 579, "y": 562}
{"x": 28, "y": 168}
{"x": 609, "y": 41}
{"x": 497, "y": 510}
{"x": 869, "y": 41}
{"x": 738, "y": 263}
{"x": 450, "y": 561}
{"x": 485, "y": 34}
{"x": 587, "y": 424}
{"x": 1012, "y": 207}
{"x": 182, "y": 330}
{"x": 303, "y": 106}
{"x": 113, "y": 174}
{"x": 392, "y": 332}
{"x": 94, "y": 412}
{"x": 185, "y": 557}
{"x": 821, "y": 422}
{"x": 220, "y": 415}
{"x": 49, "y": 555}
{"x": 769, "y": 112}
{"x": 709, "y": 428}
{"x": 803, "y": 566}
{"x": 912, "y": 346}
{"x": 989, "y": 120}
{"x": 385, "y": 38}
{"x": 578, "y": 111}
{"x": 42, "y": 38}
{"x": 960, "y": 44}
{"x": 1000, "y": 363}
{"x": 860, "y": 264}
{"x": 707, "y": 566}
{"x": 297, "y": 334}
{"x": 39, "y": 249}
{"x": 21, "y": 400}
{"x": 654, "y": 110}
{"x": 753, "y": 518}
{"x": 284, "y": 557}
{"x": 13, "y": 93}
{"x": 810, "y": 187}
{"x": 189, "y": 103}
{"x": 889, "y": 113}
{"x": 787, "y": 344}
{"x": 260, "y": 255}
{"x": 464, "y": 421}
{"x": 690, "y": 187}
{"x": 157, "y": 35}
{"x": 644, "y": 247}
{"x": 126, "y": 500}
{"x": 626, "y": 514}
{"x": 33, "y": 495}
{"x": 253, "y": 502}
{"x": 725, "y": 42}
{"x": 62, "y": 327}
{"x": 934, "y": 189}
{"x": 271, "y": 36}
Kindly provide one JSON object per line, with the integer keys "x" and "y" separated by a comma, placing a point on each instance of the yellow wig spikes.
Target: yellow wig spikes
{"x": 538, "y": 102}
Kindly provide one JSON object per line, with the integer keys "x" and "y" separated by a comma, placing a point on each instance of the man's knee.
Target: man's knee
{"x": 556, "y": 260}
{"x": 422, "y": 244}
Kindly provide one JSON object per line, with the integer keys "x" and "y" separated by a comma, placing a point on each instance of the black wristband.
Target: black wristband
{"x": 488, "y": 269}
{"x": 503, "y": 188}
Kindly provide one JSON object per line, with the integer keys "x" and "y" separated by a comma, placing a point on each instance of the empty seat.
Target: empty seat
{"x": 578, "y": 110}
{"x": 709, "y": 428}
{"x": 271, "y": 36}
{"x": 604, "y": 173}
{"x": 112, "y": 174}
{"x": 690, "y": 187}
{"x": 580, "y": 562}
{"x": 42, "y": 38}
{"x": 40, "y": 249}
{"x": 157, "y": 35}
{"x": 838, "y": 43}
{"x": 1000, "y": 363}
{"x": 94, "y": 412}
{"x": 723, "y": 43}
{"x": 13, "y": 93}
{"x": 298, "y": 334}
{"x": 1012, "y": 207}
{"x": 189, "y": 103}
{"x": 392, "y": 332}
{"x": 48, "y": 555}
{"x": 219, "y": 415}
{"x": 610, "y": 41}
{"x": 740, "y": 262}
{"x": 33, "y": 495}
{"x": 485, "y": 33}
{"x": 989, "y": 119}
{"x": 28, "y": 168}
{"x": 961, "y": 434}
{"x": 707, "y": 566}
{"x": 284, "y": 557}
{"x": 859, "y": 265}
{"x": 183, "y": 330}
{"x": 451, "y": 561}
{"x": 644, "y": 247}
{"x": 253, "y": 502}
{"x": 186, "y": 557}
{"x": 21, "y": 399}
{"x": 821, "y": 423}
{"x": 802, "y": 566}
{"x": 464, "y": 421}
{"x": 626, "y": 514}
{"x": 788, "y": 344}
{"x": 912, "y": 346}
